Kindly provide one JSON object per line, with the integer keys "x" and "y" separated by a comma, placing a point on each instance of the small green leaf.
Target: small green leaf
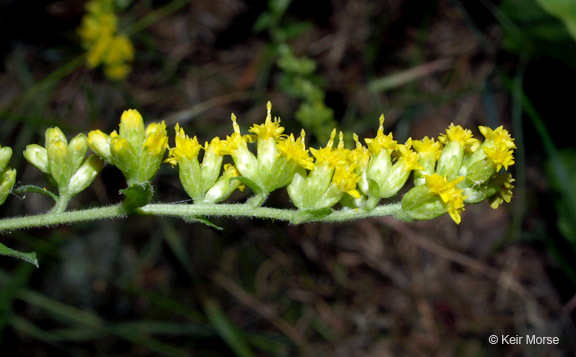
{"x": 27, "y": 257}
{"x": 137, "y": 195}
{"x": 22, "y": 190}
{"x": 311, "y": 215}
{"x": 205, "y": 221}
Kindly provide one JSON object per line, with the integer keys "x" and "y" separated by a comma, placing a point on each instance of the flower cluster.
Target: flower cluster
{"x": 104, "y": 45}
{"x": 65, "y": 164}
{"x": 448, "y": 172}
{"x": 136, "y": 150}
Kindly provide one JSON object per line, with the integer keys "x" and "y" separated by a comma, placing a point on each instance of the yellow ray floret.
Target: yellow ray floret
{"x": 500, "y": 136}
{"x": 427, "y": 145}
{"x": 346, "y": 179}
{"x": 233, "y": 141}
{"x": 408, "y": 157}
{"x": 505, "y": 194}
{"x": 186, "y": 147}
{"x": 328, "y": 155}
{"x": 449, "y": 193}
{"x": 455, "y": 133}
{"x": 381, "y": 141}
{"x": 270, "y": 128}
{"x": 500, "y": 156}
{"x": 295, "y": 150}
{"x": 360, "y": 156}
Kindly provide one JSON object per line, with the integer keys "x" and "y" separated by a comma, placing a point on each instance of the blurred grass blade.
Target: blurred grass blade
{"x": 401, "y": 78}
{"x": 564, "y": 10}
{"x": 27, "y": 257}
{"x": 233, "y": 337}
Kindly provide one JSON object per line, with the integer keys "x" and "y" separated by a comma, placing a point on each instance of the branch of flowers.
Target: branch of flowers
{"x": 244, "y": 210}
{"x": 186, "y": 211}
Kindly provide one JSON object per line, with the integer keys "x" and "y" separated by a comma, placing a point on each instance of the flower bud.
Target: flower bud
{"x": 132, "y": 127}
{"x": 124, "y": 157}
{"x": 85, "y": 174}
{"x": 77, "y": 147}
{"x": 7, "y": 181}
{"x": 100, "y": 144}
{"x": 152, "y": 153}
{"x": 54, "y": 134}
{"x": 57, "y": 151}
{"x": 224, "y": 186}
{"x": 37, "y": 156}
{"x": 5, "y": 156}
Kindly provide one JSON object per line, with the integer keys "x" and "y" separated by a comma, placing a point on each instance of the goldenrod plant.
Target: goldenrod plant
{"x": 103, "y": 42}
{"x": 448, "y": 172}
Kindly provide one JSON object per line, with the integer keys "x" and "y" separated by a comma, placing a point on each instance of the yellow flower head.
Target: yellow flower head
{"x": 500, "y": 136}
{"x": 455, "y": 133}
{"x": 505, "y": 194}
{"x": 408, "y": 157}
{"x": 500, "y": 156}
{"x": 103, "y": 43}
{"x": 427, "y": 145}
{"x": 232, "y": 142}
{"x": 295, "y": 150}
{"x": 449, "y": 193}
{"x": 346, "y": 180}
{"x": 360, "y": 156}
{"x": 328, "y": 155}
{"x": 456, "y": 205}
{"x": 185, "y": 147}
{"x": 156, "y": 140}
{"x": 381, "y": 141}
{"x": 216, "y": 146}
{"x": 270, "y": 128}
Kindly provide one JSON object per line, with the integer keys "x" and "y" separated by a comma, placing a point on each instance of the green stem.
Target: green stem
{"x": 194, "y": 210}
{"x": 61, "y": 204}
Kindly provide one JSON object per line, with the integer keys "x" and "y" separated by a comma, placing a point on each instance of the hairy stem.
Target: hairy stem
{"x": 197, "y": 210}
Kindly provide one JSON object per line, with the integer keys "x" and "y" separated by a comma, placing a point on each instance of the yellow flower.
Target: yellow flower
{"x": 270, "y": 128}
{"x": 505, "y": 182}
{"x": 103, "y": 43}
{"x": 295, "y": 150}
{"x": 346, "y": 180}
{"x": 455, "y": 133}
{"x": 381, "y": 141}
{"x": 236, "y": 140}
{"x": 408, "y": 157}
{"x": 500, "y": 156}
{"x": 449, "y": 193}
{"x": 328, "y": 156}
{"x": 360, "y": 156}
{"x": 427, "y": 145}
{"x": 500, "y": 136}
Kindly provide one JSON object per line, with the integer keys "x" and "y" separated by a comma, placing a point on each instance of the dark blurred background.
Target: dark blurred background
{"x": 147, "y": 286}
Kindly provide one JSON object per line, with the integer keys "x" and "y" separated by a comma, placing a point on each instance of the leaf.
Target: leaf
{"x": 22, "y": 190}
{"x": 27, "y": 257}
{"x": 311, "y": 215}
{"x": 227, "y": 330}
{"x": 137, "y": 195}
{"x": 205, "y": 221}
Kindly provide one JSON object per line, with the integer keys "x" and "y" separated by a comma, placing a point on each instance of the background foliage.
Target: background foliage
{"x": 145, "y": 286}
